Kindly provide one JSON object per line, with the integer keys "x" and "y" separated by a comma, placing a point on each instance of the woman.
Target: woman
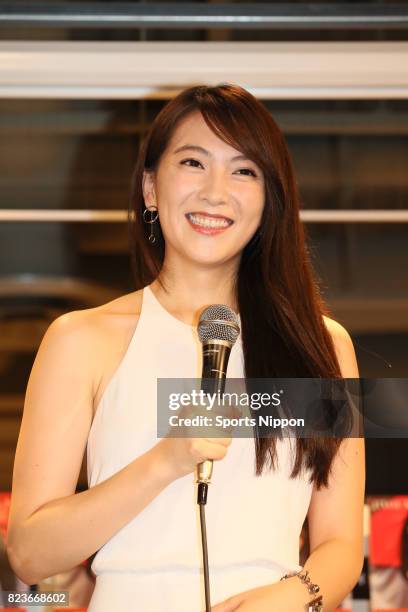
{"x": 212, "y": 152}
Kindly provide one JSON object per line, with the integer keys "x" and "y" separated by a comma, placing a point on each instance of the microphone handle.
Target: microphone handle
{"x": 214, "y": 372}
{"x": 215, "y": 362}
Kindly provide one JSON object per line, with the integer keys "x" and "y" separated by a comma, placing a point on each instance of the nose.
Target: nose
{"x": 215, "y": 187}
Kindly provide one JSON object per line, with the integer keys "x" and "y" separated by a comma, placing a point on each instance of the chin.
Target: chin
{"x": 210, "y": 259}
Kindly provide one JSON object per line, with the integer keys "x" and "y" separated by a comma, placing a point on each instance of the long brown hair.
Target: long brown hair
{"x": 278, "y": 297}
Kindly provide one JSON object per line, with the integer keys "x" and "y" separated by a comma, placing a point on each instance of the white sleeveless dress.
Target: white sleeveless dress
{"x": 154, "y": 563}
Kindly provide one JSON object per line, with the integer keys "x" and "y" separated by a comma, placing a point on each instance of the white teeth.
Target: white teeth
{"x": 207, "y": 222}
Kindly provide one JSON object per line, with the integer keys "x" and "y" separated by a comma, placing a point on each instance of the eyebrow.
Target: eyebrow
{"x": 199, "y": 149}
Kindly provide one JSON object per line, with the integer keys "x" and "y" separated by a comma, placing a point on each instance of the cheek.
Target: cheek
{"x": 174, "y": 191}
{"x": 252, "y": 205}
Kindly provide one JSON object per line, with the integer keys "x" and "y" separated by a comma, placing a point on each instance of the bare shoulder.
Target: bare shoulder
{"x": 344, "y": 347}
{"x": 115, "y": 320}
{"x": 89, "y": 324}
{"x": 335, "y": 328}
{"x": 99, "y": 336}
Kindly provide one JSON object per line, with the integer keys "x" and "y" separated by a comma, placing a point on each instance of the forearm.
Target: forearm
{"x": 65, "y": 531}
{"x": 335, "y": 566}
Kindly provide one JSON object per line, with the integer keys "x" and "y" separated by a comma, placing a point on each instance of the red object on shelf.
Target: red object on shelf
{"x": 5, "y": 497}
{"x": 387, "y": 524}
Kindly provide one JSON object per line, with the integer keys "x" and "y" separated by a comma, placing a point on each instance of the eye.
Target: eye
{"x": 249, "y": 170}
{"x": 190, "y": 160}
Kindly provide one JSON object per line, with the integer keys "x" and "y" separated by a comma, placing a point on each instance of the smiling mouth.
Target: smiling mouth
{"x": 210, "y": 221}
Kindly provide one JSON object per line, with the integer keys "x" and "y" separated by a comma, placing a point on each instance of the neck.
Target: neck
{"x": 192, "y": 288}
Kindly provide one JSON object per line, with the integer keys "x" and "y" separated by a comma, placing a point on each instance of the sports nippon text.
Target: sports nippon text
{"x": 226, "y": 410}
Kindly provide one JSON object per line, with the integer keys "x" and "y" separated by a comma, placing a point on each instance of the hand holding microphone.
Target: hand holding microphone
{"x": 218, "y": 329}
{"x": 182, "y": 455}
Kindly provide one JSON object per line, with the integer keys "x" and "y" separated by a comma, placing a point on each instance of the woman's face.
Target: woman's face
{"x": 206, "y": 182}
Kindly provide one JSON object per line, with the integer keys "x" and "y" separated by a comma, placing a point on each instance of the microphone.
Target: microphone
{"x": 218, "y": 329}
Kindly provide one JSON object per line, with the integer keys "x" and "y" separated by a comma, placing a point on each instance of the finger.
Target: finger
{"x": 229, "y": 605}
{"x": 223, "y": 441}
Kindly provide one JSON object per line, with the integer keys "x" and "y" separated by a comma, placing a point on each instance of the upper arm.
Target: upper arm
{"x": 337, "y": 511}
{"x": 56, "y": 418}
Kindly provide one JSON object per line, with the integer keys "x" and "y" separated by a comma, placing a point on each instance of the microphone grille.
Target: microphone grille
{"x": 218, "y": 322}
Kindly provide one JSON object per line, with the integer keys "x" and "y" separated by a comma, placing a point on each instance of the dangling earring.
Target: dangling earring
{"x": 152, "y": 238}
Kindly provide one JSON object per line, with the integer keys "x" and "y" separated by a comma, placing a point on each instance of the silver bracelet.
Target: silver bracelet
{"x": 316, "y": 605}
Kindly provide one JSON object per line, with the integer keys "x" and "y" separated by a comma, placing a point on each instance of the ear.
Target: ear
{"x": 149, "y": 190}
